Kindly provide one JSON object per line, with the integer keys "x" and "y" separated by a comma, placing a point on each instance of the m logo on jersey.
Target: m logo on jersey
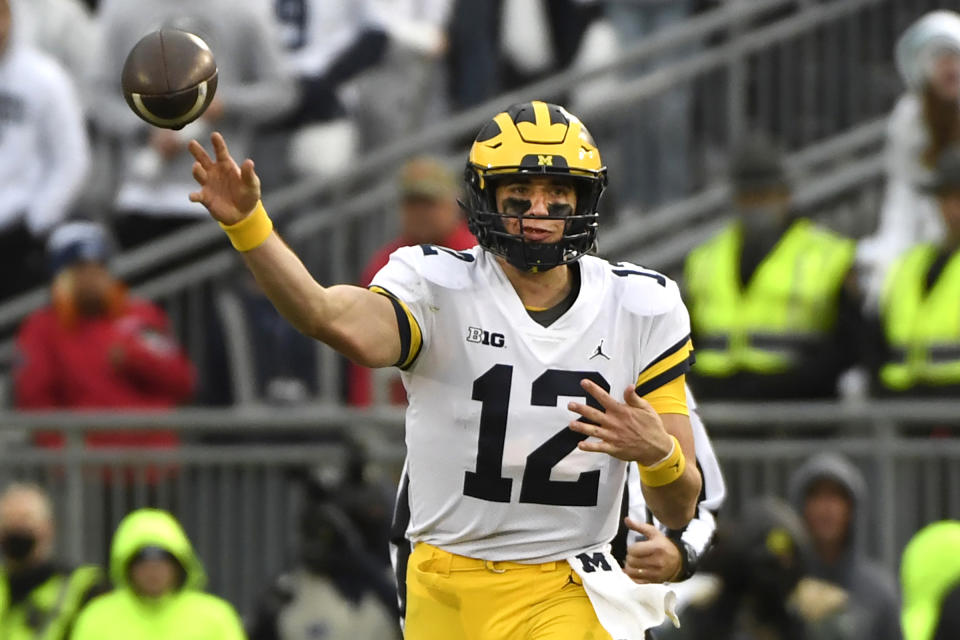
{"x": 479, "y": 336}
{"x": 593, "y": 562}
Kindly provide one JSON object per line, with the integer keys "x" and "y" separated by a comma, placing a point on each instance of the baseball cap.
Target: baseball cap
{"x": 426, "y": 177}
{"x": 757, "y": 164}
{"x": 80, "y": 241}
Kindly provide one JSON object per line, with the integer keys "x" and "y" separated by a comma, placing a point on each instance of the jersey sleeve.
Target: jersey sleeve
{"x": 400, "y": 280}
{"x": 667, "y": 354}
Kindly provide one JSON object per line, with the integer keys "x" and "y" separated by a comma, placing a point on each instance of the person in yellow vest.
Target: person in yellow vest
{"x": 919, "y": 308}
{"x": 773, "y": 307}
{"x": 39, "y": 598}
{"x": 158, "y": 593}
{"x": 930, "y": 579}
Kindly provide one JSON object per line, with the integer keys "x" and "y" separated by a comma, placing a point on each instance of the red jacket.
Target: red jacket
{"x": 126, "y": 360}
{"x": 359, "y": 378}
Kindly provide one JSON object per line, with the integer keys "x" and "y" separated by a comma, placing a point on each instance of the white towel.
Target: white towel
{"x": 625, "y": 609}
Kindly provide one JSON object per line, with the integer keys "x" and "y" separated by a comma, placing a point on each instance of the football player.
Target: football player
{"x": 501, "y": 347}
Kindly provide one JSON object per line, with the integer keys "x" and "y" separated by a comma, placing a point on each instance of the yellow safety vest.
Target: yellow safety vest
{"x": 48, "y": 611}
{"x": 922, "y": 327}
{"x": 789, "y": 303}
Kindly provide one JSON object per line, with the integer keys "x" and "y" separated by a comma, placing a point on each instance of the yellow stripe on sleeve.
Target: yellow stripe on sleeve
{"x": 670, "y": 397}
{"x": 411, "y": 337}
{"x": 672, "y": 363}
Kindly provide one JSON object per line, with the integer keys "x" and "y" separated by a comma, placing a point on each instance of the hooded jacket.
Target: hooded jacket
{"x": 185, "y": 614}
{"x": 871, "y": 587}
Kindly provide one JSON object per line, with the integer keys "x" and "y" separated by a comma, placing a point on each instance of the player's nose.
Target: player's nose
{"x": 538, "y": 204}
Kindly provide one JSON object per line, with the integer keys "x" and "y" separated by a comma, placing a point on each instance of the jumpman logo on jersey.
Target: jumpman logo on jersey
{"x": 599, "y": 352}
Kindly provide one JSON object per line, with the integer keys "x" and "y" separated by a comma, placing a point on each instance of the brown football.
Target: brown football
{"x": 169, "y": 78}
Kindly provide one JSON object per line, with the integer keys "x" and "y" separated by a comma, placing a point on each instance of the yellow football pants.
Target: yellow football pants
{"x": 451, "y": 597}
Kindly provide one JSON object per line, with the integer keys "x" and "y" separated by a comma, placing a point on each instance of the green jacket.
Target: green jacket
{"x": 761, "y": 326}
{"x": 187, "y": 614}
{"x": 930, "y": 568}
{"x": 922, "y": 324}
{"x": 50, "y": 609}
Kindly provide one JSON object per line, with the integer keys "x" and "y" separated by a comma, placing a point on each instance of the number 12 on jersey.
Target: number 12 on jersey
{"x": 486, "y": 482}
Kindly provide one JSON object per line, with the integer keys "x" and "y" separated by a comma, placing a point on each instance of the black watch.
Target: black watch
{"x": 688, "y": 559}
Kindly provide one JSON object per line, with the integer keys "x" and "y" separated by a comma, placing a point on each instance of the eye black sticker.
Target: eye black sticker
{"x": 515, "y": 206}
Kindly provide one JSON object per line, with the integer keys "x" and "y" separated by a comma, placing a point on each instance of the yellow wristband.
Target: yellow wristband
{"x": 252, "y": 231}
{"x": 667, "y": 470}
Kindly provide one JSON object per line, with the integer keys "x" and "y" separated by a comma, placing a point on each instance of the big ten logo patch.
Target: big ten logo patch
{"x": 479, "y": 336}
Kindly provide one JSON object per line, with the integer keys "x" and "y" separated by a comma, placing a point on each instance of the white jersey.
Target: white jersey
{"x": 494, "y": 471}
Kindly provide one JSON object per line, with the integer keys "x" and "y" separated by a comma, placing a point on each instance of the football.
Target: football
{"x": 169, "y": 78}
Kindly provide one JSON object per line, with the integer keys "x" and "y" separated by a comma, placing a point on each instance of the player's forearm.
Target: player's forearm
{"x": 349, "y": 319}
{"x": 675, "y": 504}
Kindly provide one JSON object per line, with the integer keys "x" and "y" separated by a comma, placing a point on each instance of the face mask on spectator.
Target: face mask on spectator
{"x": 17, "y": 545}
{"x": 761, "y": 218}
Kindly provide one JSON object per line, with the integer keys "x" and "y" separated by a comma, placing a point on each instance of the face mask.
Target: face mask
{"x": 17, "y": 545}
{"x": 761, "y": 218}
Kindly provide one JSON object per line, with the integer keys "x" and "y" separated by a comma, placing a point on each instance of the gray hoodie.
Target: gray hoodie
{"x": 870, "y": 586}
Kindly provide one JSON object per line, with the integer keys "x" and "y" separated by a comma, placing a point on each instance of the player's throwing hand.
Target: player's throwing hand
{"x": 630, "y": 430}
{"x": 229, "y": 192}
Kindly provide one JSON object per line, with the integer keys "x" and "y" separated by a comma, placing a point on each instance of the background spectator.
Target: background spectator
{"x": 763, "y": 591}
{"x": 65, "y": 30}
{"x": 158, "y": 592}
{"x": 656, "y": 156}
{"x": 44, "y": 154}
{"x": 771, "y": 308}
{"x": 253, "y": 87}
{"x": 930, "y": 576}
{"x": 925, "y": 121}
{"x": 829, "y": 493}
{"x": 429, "y": 214}
{"x": 340, "y": 590}
{"x": 915, "y": 348}
{"x": 39, "y": 597}
{"x": 403, "y": 91}
{"x": 328, "y": 43}
{"x": 94, "y": 346}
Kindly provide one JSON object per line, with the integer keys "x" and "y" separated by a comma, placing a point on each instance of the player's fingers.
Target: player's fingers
{"x": 197, "y": 196}
{"x": 220, "y": 147}
{"x": 631, "y": 398}
{"x": 633, "y": 524}
{"x": 634, "y": 574}
{"x": 588, "y": 412}
{"x": 200, "y": 154}
{"x": 199, "y": 173}
{"x": 647, "y": 530}
{"x": 248, "y": 175}
{"x": 642, "y": 549}
{"x": 599, "y": 394}
{"x": 597, "y": 446}
{"x": 588, "y": 429}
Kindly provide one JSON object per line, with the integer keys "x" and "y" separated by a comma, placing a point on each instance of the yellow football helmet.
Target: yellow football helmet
{"x": 535, "y": 139}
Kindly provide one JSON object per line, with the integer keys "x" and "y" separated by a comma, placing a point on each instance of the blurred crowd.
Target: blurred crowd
{"x": 781, "y": 307}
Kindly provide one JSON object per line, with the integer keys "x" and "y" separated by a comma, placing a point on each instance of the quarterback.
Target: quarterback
{"x": 535, "y": 374}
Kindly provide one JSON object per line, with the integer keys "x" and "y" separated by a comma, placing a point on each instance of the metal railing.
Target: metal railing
{"x": 235, "y": 481}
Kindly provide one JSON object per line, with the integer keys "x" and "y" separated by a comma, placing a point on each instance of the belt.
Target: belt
{"x": 445, "y": 562}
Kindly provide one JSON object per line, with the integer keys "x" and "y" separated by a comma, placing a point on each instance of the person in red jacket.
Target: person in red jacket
{"x": 429, "y": 214}
{"x": 95, "y": 347}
